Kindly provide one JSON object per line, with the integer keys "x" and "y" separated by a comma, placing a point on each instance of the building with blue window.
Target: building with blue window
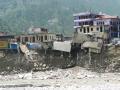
{"x": 99, "y": 24}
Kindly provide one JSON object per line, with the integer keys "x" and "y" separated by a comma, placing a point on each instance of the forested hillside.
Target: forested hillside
{"x": 56, "y": 15}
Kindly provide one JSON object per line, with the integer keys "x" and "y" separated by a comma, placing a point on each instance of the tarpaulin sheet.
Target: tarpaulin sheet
{"x": 34, "y": 45}
{"x": 62, "y": 46}
{"x": 13, "y": 45}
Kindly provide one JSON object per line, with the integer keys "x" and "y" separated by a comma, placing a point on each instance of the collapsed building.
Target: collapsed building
{"x": 95, "y": 31}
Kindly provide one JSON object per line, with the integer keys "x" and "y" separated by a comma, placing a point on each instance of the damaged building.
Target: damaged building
{"x": 97, "y": 24}
{"x": 37, "y": 35}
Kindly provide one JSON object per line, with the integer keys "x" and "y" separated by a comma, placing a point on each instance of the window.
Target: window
{"x": 84, "y": 30}
{"x": 76, "y": 24}
{"x": 75, "y": 29}
{"x": 91, "y": 23}
{"x": 26, "y": 39}
{"x": 101, "y": 29}
{"x": 111, "y": 22}
{"x": 75, "y": 18}
{"x": 111, "y": 28}
{"x": 86, "y": 23}
{"x": 18, "y": 39}
{"x": 97, "y": 28}
{"x": 33, "y": 39}
{"x": 91, "y": 29}
{"x": 117, "y": 22}
{"x": 45, "y": 37}
{"x": 88, "y": 29}
{"x": 97, "y": 23}
{"x": 79, "y": 24}
{"x": 81, "y": 17}
{"x": 80, "y": 29}
{"x": 103, "y": 23}
{"x": 41, "y": 38}
{"x": 83, "y": 23}
{"x": 85, "y": 17}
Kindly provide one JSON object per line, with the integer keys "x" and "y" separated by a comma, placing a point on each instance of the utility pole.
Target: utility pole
{"x": 89, "y": 56}
{"x": 118, "y": 31}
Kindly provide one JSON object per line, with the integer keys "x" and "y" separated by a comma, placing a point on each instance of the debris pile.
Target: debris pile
{"x": 80, "y": 73}
{"x": 62, "y": 79}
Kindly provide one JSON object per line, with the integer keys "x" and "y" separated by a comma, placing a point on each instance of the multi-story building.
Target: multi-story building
{"x": 37, "y": 35}
{"x": 99, "y": 24}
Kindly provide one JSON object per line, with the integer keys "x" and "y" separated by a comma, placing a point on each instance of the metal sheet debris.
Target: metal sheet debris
{"x": 62, "y": 46}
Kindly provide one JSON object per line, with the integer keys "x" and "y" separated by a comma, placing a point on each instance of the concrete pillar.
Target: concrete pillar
{"x": 43, "y": 38}
{"x": 20, "y": 38}
{"x": 35, "y": 38}
{"x": 118, "y": 32}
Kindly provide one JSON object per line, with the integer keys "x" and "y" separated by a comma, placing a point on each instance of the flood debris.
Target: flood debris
{"x": 72, "y": 78}
{"x": 62, "y": 46}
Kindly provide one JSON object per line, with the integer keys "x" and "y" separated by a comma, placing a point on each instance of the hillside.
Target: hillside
{"x": 56, "y": 15}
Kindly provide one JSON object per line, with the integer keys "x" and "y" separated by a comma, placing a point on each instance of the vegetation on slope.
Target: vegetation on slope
{"x": 56, "y": 15}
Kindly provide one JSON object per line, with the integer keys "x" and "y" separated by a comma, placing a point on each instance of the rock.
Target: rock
{"x": 35, "y": 65}
{"x": 91, "y": 76}
{"x": 0, "y": 76}
{"x": 20, "y": 76}
{"x": 47, "y": 67}
{"x": 28, "y": 76}
{"x": 80, "y": 76}
{"x": 44, "y": 65}
{"x": 40, "y": 64}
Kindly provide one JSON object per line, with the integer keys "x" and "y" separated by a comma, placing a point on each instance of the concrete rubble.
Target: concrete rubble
{"x": 52, "y": 74}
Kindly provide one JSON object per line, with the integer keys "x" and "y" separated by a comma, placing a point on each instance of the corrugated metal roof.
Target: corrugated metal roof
{"x": 84, "y": 13}
{"x": 107, "y": 17}
{"x": 7, "y": 37}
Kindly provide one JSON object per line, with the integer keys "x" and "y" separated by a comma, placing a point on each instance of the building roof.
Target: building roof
{"x": 100, "y": 15}
{"x": 32, "y": 34}
{"x": 7, "y": 37}
{"x": 84, "y": 13}
{"x": 37, "y": 30}
{"x": 105, "y": 16}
